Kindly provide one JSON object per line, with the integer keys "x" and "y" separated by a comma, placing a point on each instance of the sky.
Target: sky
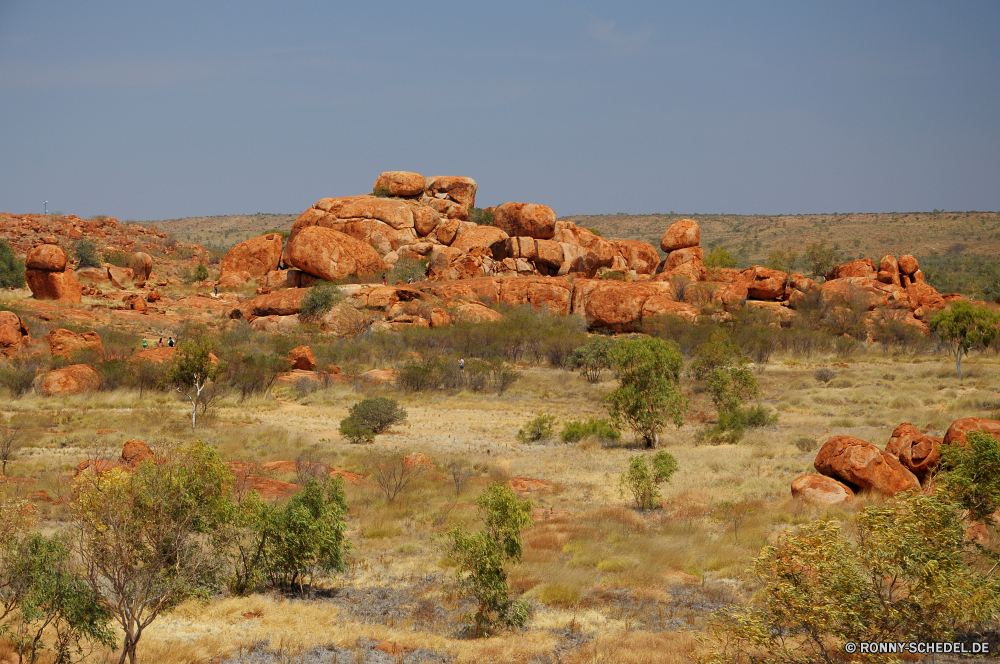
{"x": 148, "y": 111}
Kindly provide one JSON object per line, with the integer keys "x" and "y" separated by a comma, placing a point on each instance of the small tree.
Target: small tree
{"x": 10, "y": 433}
{"x": 151, "y": 538}
{"x": 392, "y": 472}
{"x": 821, "y": 259}
{"x": 648, "y": 392}
{"x": 86, "y": 254}
{"x": 719, "y": 257}
{"x": 963, "y": 327}
{"x": 200, "y": 272}
{"x": 369, "y": 417}
{"x": 537, "y": 429}
{"x": 482, "y": 558}
{"x": 592, "y": 358}
{"x": 320, "y": 299}
{"x": 642, "y": 481}
{"x": 730, "y": 383}
{"x": 460, "y": 472}
{"x": 193, "y": 369}
{"x": 11, "y": 268}
{"x": 971, "y": 474}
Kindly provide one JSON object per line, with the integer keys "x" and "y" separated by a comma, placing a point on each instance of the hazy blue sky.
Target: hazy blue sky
{"x": 154, "y": 110}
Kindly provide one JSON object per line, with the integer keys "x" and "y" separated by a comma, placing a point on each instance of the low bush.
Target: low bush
{"x": 824, "y": 375}
{"x": 18, "y": 375}
{"x": 11, "y": 267}
{"x": 592, "y": 358}
{"x": 370, "y": 417}
{"x": 805, "y": 444}
{"x": 86, "y": 254}
{"x": 382, "y": 192}
{"x": 320, "y": 299}
{"x": 642, "y": 479}
{"x": 481, "y": 216}
{"x": 538, "y": 429}
{"x": 576, "y": 430}
{"x": 116, "y": 374}
{"x": 406, "y": 270}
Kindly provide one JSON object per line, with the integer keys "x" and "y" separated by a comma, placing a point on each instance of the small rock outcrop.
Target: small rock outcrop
{"x": 49, "y": 275}
{"x": 256, "y": 256}
{"x": 302, "y": 358}
{"x": 862, "y": 466}
{"x": 821, "y": 490}
{"x": 66, "y": 343}
{"x": 918, "y": 452}
{"x": 14, "y": 335}
{"x": 74, "y": 379}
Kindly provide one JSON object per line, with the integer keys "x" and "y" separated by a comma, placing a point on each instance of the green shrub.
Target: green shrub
{"x": 719, "y": 257}
{"x": 592, "y": 358}
{"x": 86, "y": 254}
{"x": 320, "y": 299}
{"x": 369, "y": 417}
{"x": 116, "y": 373}
{"x": 200, "y": 272}
{"x": 406, "y": 269}
{"x": 612, "y": 275}
{"x": 642, "y": 479}
{"x": 538, "y": 429}
{"x": 11, "y": 268}
{"x": 805, "y": 444}
{"x": 18, "y": 375}
{"x": 481, "y": 216}
{"x": 355, "y": 432}
{"x": 382, "y": 192}
{"x": 416, "y": 377}
{"x": 648, "y": 393}
{"x": 576, "y": 430}
{"x": 824, "y": 375}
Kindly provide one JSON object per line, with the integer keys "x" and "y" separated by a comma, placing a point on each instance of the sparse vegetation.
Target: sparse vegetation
{"x": 11, "y": 268}
{"x": 648, "y": 393}
{"x": 642, "y": 479}
{"x": 320, "y": 299}
{"x": 538, "y": 429}
{"x": 86, "y": 254}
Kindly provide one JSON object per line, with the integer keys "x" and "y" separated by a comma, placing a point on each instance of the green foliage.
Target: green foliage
{"x": 116, "y": 373}
{"x": 781, "y": 260}
{"x": 39, "y": 593}
{"x": 592, "y": 358}
{"x": 382, "y": 192}
{"x": 805, "y": 444}
{"x": 192, "y": 370}
{"x": 284, "y": 234}
{"x": 719, "y": 257}
{"x": 11, "y": 268}
{"x": 444, "y": 373}
{"x": 821, "y": 259}
{"x": 200, "y": 272}
{"x": 576, "y": 430}
{"x": 963, "y": 327}
{"x": 369, "y": 417}
{"x": 971, "y": 474}
{"x": 596, "y": 231}
{"x": 320, "y": 299}
{"x": 18, "y": 374}
{"x": 648, "y": 391}
{"x": 151, "y": 538}
{"x": 253, "y": 373}
{"x": 909, "y": 577}
{"x": 642, "y": 479}
{"x": 481, "y": 558}
{"x": 538, "y": 429}
{"x": 481, "y": 216}
{"x": 307, "y": 535}
{"x": 406, "y": 269}
{"x": 86, "y": 253}
{"x": 125, "y": 259}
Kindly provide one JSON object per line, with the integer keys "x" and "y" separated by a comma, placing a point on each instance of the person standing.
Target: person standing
{"x": 159, "y": 344}
{"x": 145, "y": 345}
{"x": 383, "y": 278}
{"x": 216, "y": 289}
{"x": 461, "y": 364}
{"x": 170, "y": 342}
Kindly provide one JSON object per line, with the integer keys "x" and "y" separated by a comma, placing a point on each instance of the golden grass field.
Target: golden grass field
{"x": 608, "y": 583}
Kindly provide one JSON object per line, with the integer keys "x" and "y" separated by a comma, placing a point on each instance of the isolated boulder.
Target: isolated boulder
{"x": 527, "y": 219}
{"x": 301, "y": 357}
{"x": 959, "y": 428}
{"x": 146, "y": 263}
{"x": 49, "y": 276}
{"x": 907, "y": 264}
{"x": 281, "y": 303}
{"x": 821, "y": 490}
{"x": 401, "y": 183}
{"x": 256, "y": 256}
{"x": 680, "y": 235}
{"x": 47, "y": 257}
{"x": 73, "y": 379}
{"x": 862, "y": 466}
{"x": 13, "y": 334}
{"x": 332, "y": 255}
{"x": 65, "y": 343}
{"x": 918, "y": 452}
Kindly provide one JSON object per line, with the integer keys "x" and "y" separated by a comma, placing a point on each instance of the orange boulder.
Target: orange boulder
{"x": 46, "y": 257}
{"x": 256, "y": 256}
{"x": 862, "y": 267}
{"x": 918, "y": 452}
{"x": 13, "y": 334}
{"x": 458, "y": 189}
{"x": 618, "y": 305}
{"x": 301, "y": 357}
{"x": 926, "y": 296}
{"x": 135, "y": 452}
{"x": 553, "y": 294}
{"x": 73, "y": 379}
{"x": 681, "y": 235}
{"x": 59, "y": 286}
{"x": 281, "y": 303}
{"x": 821, "y": 490}
{"x": 65, "y": 343}
{"x": 401, "y": 183}
{"x": 526, "y": 219}
{"x": 639, "y": 256}
{"x": 483, "y": 237}
{"x": 767, "y": 284}
{"x": 956, "y": 432}
{"x": 888, "y": 270}
{"x": 861, "y": 465}
{"x": 907, "y": 264}
{"x": 331, "y": 255}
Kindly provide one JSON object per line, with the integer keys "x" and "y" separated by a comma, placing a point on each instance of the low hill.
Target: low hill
{"x": 223, "y": 231}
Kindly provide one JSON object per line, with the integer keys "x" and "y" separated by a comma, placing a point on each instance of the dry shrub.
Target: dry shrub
{"x": 635, "y": 648}
{"x": 622, "y": 518}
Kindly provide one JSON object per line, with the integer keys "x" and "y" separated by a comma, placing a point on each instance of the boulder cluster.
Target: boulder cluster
{"x": 848, "y": 465}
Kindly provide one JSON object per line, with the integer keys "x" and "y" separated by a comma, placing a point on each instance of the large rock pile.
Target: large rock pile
{"x": 907, "y": 462}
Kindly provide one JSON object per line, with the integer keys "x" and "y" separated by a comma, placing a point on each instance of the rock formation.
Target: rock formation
{"x": 73, "y": 379}
{"x": 49, "y": 275}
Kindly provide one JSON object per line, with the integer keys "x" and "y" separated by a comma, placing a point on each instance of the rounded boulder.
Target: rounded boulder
{"x": 821, "y": 490}
{"x": 526, "y": 219}
{"x": 681, "y": 235}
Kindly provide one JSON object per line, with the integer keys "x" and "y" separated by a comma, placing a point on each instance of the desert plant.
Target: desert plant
{"x": 150, "y": 538}
{"x": 355, "y": 432}
{"x": 805, "y": 444}
{"x": 821, "y": 259}
{"x": 86, "y": 253}
{"x": 406, "y": 269}
{"x": 963, "y": 326}
{"x": 460, "y": 471}
{"x": 18, "y": 375}
{"x": 193, "y": 369}
{"x": 592, "y": 358}
{"x": 719, "y": 257}
{"x": 481, "y": 558}
{"x": 382, "y": 192}
{"x": 824, "y": 375}
{"x": 10, "y": 442}
{"x": 576, "y": 430}
{"x": 320, "y": 299}
{"x": 480, "y": 216}
{"x": 11, "y": 268}
{"x": 970, "y": 474}
{"x": 200, "y": 272}
{"x": 377, "y": 413}
{"x": 392, "y": 472}
{"x": 538, "y": 429}
{"x": 642, "y": 479}
{"x": 648, "y": 391}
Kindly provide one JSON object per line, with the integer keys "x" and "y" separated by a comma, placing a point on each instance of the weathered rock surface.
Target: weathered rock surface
{"x": 767, "y": 284}
{"x": 401, "y": 183}
{"x": 618, "y": 305}
{"x": 14, "y": 335}
{"x": 553, "y": 294}
{"x": 862, "y": 267}
{"x": 908, "y": 264}
{"x": 331, "y": 255}
{"x": 257, "y": 256}
{"x": 861, "y": 465}
{"x": 280, "y": 303}
{"x": 460, "y": 190}
{"x": 918, "y": 452}
{"x": 959, "y": 428}
{"x": 73, "y": 379}
{"x": 526, "y": 219}
{"x": 49, "y": 275}
{"x": 821, "y": 490}
{"x": 46, "y": 257}
{"x": 301, "y": 357}
{"x": 65, "y": 343}
{"x": 681, "y": 235}
{"x": 639, "y": 256}
{"x": 481, "y": 237}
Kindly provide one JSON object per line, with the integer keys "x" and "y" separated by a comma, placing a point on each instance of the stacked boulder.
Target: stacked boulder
{"x": 682, "y": 242}
{"x": 848, "y": 465}
{"x": 255, "y": 257}
{"x": 50, "y": 276}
